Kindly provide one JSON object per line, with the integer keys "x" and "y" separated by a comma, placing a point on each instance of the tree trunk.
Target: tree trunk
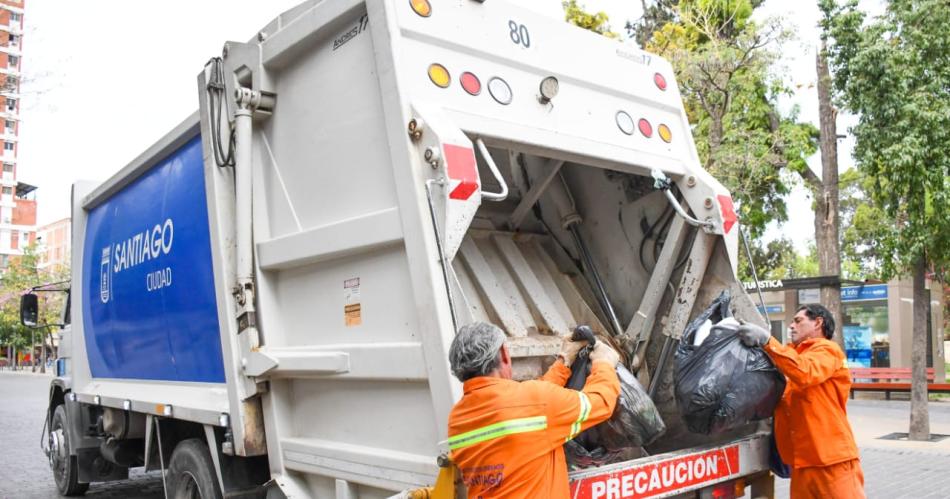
{"x": 826, "y": 198}
{"x": 715, "y": 139}
{"x": 43, "y": 354}
{"x": 919, "y": 412}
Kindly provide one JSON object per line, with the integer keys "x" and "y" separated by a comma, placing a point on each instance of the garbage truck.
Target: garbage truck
{"x": 262, "y": 302}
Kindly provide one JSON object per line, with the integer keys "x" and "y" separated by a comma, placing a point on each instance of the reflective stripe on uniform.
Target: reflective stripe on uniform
{"x": 581, "y": 417}
{"x": 497, "y": 430}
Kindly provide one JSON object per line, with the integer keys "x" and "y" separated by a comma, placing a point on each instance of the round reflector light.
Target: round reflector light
{"x": 665, "y": 133}
{"x": 660, "y": 81}
{"x": 549, "y": 88}
{"x": 625, "y": 122}
{"x": 645, "y": 128}
{"x": 499, "y": 90}
{"x": 421, "y": 7}
{"x": 470, "y": 83}
{"x": 439, "y": 75}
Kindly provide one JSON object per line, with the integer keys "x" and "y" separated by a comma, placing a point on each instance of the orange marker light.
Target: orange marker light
{"x": 439, "y": 75}
{"x": 665, "y": 133}
{"x": 421, "y": 7}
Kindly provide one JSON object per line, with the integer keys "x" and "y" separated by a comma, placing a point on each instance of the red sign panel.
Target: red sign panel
{"x": 729, "y": 217}
{"x": 460, "y": 163}
{"x": 661, "y": 477}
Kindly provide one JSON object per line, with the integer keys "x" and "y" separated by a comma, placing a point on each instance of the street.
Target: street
{"x": 24, "y": 471}
{"x": 892, "y": 469}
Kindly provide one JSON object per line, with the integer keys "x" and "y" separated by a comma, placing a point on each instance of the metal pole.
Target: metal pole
{"x": 755, "y": 277}
{"x": 598, "y": 282}
{"x": 438, "y": 243}
{"x": 660, "y": 367}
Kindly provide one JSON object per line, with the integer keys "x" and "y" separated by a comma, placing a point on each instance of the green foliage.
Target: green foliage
{"x": 779, "y": 260}
{"x": 894, "y": 73}
{"x": 863, "y": 224}
{"x": 598, "y": 22}
{"x": 20, "y": 276}
{"x": 723, "y": 62}
{"x": 655, "y": 15}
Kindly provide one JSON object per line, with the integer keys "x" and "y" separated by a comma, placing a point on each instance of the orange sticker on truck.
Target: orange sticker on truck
{"x": 352, "y": 310}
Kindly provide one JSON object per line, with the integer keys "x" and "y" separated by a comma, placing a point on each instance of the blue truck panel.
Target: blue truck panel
{"x": 149, "y": 308}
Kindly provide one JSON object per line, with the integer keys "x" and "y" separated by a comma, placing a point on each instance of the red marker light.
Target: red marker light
{"x": 645, "y": 128}
{"x": 470, "y": 83}
{"x": 660, "y": 81}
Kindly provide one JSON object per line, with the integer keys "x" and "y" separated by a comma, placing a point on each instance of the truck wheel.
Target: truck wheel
{"x": 191, "y": 473}
{"x": 65, "y": 467}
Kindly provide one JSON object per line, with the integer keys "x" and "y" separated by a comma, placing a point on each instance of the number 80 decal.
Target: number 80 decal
{"x": 519, "y": 34}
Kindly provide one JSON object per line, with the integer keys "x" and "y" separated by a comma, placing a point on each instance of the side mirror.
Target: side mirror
{"x": 29, "y": 310}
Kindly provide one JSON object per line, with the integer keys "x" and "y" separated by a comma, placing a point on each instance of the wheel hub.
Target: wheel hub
{"x": 57, "y": 449}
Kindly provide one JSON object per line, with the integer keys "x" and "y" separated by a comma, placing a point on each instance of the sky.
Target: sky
{"x": 105, "y": 79}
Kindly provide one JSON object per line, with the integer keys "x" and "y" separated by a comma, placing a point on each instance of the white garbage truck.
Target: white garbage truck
{"x": 262, "y": 302}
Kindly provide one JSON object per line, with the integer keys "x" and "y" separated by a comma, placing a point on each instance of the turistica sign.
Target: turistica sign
{"x": 764, "y": 285}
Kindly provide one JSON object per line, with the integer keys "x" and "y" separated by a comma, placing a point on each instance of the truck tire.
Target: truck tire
{"x": 191, "y": 473}
{"x": 65, "y": 467}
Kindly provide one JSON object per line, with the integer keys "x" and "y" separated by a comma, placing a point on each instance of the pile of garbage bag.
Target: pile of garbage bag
{"x": 721, "y": 384}
{"x": 634, "y": 423}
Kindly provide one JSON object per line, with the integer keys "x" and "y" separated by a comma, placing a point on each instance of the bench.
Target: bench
{"x": 890, "y": 379}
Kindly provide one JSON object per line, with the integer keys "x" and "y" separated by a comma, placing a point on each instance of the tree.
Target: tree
{"x": 863, "y": 222}
{"x": 655, "y": 15}
{"x": 575, "y": 14}
{"x": 20, "y": 275}
{"x": 893, "y": 72}
{"x": 722, "y": 59}
{"x": 825, "y": 192}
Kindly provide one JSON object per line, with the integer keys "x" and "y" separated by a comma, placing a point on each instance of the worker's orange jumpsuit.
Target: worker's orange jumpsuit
{"x": 506, "y": 436}
{"x": 811, "y": 422}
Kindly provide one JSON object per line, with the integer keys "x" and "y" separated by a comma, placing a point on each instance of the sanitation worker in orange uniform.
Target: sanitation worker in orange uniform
{"x": 811, "y": 422}
{"x": 506, "y": 436}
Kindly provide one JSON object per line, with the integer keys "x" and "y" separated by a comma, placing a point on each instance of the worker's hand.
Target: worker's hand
{"x": 752, "y": 335}
{"x": 602, "y": 351}
{"x": 569, "y": 350}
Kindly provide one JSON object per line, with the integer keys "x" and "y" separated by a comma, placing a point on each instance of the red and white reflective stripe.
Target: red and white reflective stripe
{"x": 660, "y": 477}
{"x": 729, "y": 217}
{"x": 461, "y": 167}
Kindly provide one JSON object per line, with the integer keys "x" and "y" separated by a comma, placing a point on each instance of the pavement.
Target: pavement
{"x": 892, "y": 469}
{"x": 24, "y": 470}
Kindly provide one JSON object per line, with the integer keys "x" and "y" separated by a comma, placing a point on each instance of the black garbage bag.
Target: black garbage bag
{"x": 721, "y": 384}
{"x": 634, "y": 423}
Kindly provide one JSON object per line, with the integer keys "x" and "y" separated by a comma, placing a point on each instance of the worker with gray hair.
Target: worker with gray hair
{"x": 506, "y": 436}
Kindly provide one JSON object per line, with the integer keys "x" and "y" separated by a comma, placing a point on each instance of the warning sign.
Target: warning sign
{"x": 352, "y": 310}
{"x": 660, "y": 478}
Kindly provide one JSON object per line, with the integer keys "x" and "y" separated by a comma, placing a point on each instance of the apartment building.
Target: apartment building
{"x": 17, "y": 199}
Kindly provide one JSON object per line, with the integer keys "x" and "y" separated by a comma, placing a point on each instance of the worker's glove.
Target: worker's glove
{"x": 752, "y": 335}
{"x": 602, "y": 351}
{"x": 569, "y": 350}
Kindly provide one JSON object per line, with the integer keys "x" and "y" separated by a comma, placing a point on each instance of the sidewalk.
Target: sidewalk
{"x": 50, "y": 372}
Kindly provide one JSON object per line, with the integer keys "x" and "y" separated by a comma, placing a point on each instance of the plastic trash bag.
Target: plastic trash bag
{"x": 721, "y": 384}
{"x": 634, "y": 423}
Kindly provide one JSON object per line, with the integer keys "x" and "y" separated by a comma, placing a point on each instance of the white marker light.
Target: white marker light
{"x": 499, "y": 90}
{"x": 625, "y": 122}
